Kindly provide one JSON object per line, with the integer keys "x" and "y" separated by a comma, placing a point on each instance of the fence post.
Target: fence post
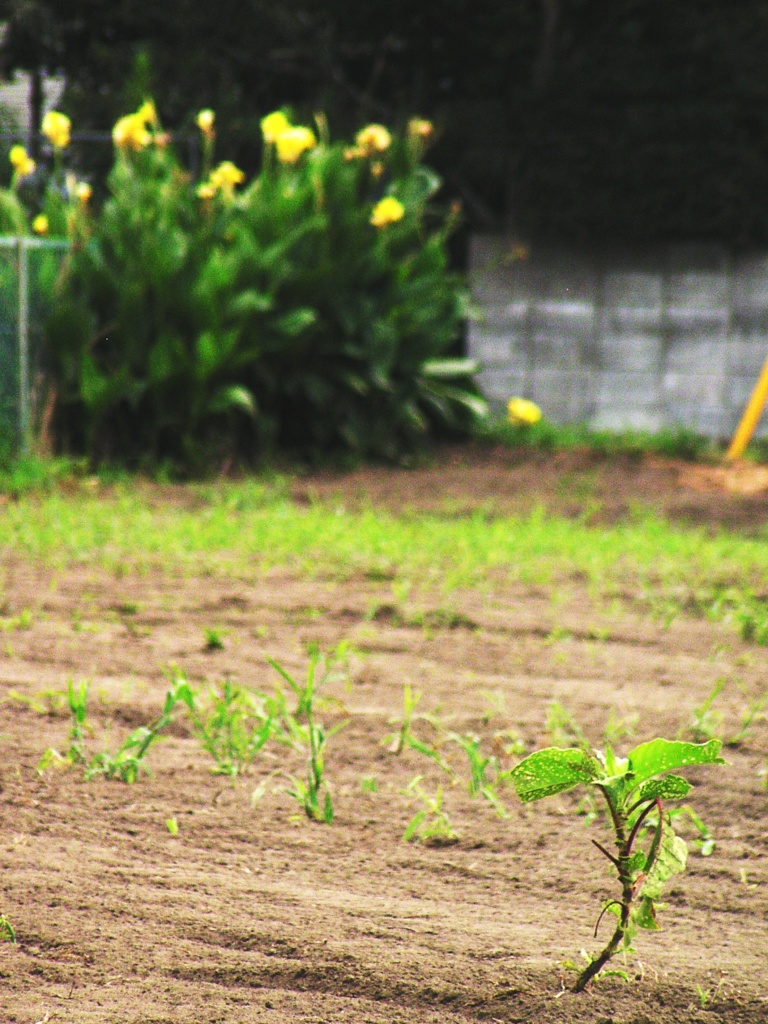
{"x": 23, "y": 342}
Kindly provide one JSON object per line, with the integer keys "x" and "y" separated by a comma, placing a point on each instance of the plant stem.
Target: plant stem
{"x": 624, "y": 846}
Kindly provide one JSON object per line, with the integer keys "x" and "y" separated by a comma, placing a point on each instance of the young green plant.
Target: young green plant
{"x": 633, "y": 788}
{"x": 313, "y": 792}
{"x": 430, "y": 824}
{"x": 233, "y": 725}
{"x": 126, "y": 763}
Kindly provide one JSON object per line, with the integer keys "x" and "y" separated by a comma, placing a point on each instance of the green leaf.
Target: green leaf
{"x": 449, "y": 367}
{"x": 553, "y": 770}
{"x": 645, "y": 915}
{"x": 670, "y": 860}
{"x": 249, "y": 303}
{"x": 233, "y": 397}
{"x": 670, "y": 788}
{"x": 296, "y": 322}
{"x": 660, "y": 756}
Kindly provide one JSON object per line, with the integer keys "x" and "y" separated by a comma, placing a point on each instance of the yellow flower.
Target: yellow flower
{"x": 354, "y": 153}
{"x": 387, "y": 211}
{"x": 130, "y": 132}
{"x": 83, "y": 191}
{"x": 373, "y": 139}
{"x": 56, "y": 127}
{"x": 225, "y": 177}
{"x": 292, "y": 143}
{"x": 522, "y": 412}
{"x": 40, "y": 224}
{"x": 18, "y": 156}
{"x": 418, "y": 128}
{"x": 273, "y": 126}
{"x": 205, "y": 121}
{"x": 206, "y": 190}
{"x": 147, "y": 113}
{"x": 23, "y": 164}
{"x": 377, "y": 168}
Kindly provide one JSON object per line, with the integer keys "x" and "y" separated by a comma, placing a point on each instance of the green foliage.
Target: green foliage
{"x": 193, "y": 323}
{"x": 632, "y": 788}
{"x": 77, "y": 702}
{"x": 233, "y": 725}
{"x": 309, "y": 735}
{"x": 431, "y": 823}
{"x": 479, "y": 784}
{"x": 6, "y": 929}
{"x": 676, "y": 443}
{"x": 129, "y": 759}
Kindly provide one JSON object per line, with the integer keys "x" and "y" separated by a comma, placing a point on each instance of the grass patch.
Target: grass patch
{"x": 677, "y": 443}
{"x": 240, "y": 528}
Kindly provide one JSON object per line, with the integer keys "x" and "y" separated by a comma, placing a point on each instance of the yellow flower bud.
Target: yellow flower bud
{"x": 418, "y": 128}
{"x": 18, "y": 156}
{"x": 130, "y": 132}
{"x": 387, "y": 211}
{"x": 83, "y": 192}
{"x": 292, "y": 143}
{"x": 23, "y": 164}
{"x": 56, "y": 127}
{"x": 205, "y": 121}
{"x": 273, "y": 125}
{"x": 373, "y": 139}
{"x": 40, "y": 224}
{"x": 206, "y": 190}
{"x": 225, "y": 177}
{"x": 147, "y": 113}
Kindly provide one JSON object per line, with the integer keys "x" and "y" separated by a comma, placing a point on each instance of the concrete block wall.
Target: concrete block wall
{"x": 672, "y": 337}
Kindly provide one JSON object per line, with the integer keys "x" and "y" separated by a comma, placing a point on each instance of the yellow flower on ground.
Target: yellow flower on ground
{"x": 418, "y": 128}
{"x": 130, "y": 132}
{"x": 273, "y": 126}
{"x": 373, "y": 139}
{"x": 387, "y": 211}
{"x": 522, "y": 412}
{"x": 56, "y": 127}
{"x": 225, "y": 177}
{"x": 292, "y": 143}
{"x": 22, "y": 163}
{"x": 205, "y": 121}
{"x": 40, "y": 224}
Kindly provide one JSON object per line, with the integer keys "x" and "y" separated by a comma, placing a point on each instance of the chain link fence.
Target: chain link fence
{"x": 29, "y": 268}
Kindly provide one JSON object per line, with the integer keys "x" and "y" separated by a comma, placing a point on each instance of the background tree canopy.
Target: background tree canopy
{"x": 636, "y": 120}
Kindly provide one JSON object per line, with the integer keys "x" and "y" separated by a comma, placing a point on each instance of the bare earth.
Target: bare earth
{"x": 250, "y": 913}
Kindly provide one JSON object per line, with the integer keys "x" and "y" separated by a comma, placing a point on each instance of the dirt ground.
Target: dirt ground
{"x": 251, "y": 913}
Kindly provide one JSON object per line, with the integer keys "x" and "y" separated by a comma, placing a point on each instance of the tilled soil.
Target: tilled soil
{"x": 252, "y": 913}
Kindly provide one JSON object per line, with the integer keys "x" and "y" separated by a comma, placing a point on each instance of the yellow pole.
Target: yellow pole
{"x": 751, "y": 416}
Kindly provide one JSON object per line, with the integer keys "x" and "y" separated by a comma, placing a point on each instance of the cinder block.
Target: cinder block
{"x": 631, "y": 352}
{"x": 689, "y": 390}
{"x": 629, "y": 390}
{"x": 491, "y": 348}
{"x": 499, "y": 385}
{"x": 750, "y": 286}
{"x": 563, "y": 395}
{"x": 621, "y": 418}
{"x": 711, "y": 420}
{"x": 747, "y": 352}
{"x": 691, "y": 354}
{"x": 633, "y": 292}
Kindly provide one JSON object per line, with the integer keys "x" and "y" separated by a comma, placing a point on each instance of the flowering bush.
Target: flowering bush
{"x": 311, "y": 308}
